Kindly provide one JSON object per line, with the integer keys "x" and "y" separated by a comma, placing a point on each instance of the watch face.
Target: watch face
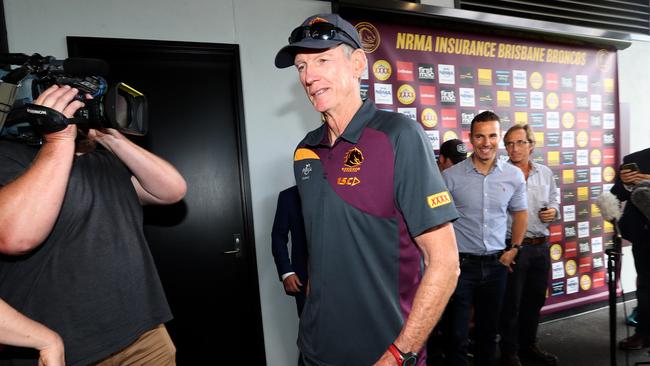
{"x": 410, "y": 359}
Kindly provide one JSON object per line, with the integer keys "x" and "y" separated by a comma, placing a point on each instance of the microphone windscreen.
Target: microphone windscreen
{"x": 640, "y": 197}
{"x": 643, "y": 183}
{"x": 85, "y": 67}
{"x": 13, "y": 58}
{"x": 609, "y": 206}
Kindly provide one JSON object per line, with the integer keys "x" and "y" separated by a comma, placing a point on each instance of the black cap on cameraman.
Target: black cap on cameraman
{"x": 345, "y": 33}
{"x": 454, "y": 149}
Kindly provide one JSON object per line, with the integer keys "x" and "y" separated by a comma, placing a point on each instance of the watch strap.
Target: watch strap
{"x": 403, "y": 359}
{"x": 396, "y": 353}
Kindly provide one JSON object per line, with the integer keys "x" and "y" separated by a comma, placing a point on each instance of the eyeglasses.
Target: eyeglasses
{"x": 519, "y": 143}
{"x": 321, "y": 31}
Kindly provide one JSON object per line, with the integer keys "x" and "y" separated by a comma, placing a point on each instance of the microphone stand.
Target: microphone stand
{"x": 613, "y": 267}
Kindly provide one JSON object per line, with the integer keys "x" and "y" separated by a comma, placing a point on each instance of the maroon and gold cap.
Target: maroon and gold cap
{"x": 300, "y": 38}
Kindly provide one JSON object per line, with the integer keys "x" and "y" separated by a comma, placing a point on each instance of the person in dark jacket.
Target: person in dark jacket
{"x": 292, "y": 270}
{"x": 634, "y": 227}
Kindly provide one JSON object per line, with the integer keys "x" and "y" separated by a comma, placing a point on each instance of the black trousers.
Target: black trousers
{"x": 641, "y": 252}
{"x": 481, "y": 285}
{"x": 525, "y": 296}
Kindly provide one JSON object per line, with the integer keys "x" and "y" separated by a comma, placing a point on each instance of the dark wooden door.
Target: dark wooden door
{"x": 203, "y": 246}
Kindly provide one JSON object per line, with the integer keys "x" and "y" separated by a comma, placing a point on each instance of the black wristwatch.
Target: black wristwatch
{"x": 403, "y": 359}
{"x": 513, "y": 246}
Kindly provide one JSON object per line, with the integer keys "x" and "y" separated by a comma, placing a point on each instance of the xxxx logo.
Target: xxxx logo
{"x": 439, "y": 199}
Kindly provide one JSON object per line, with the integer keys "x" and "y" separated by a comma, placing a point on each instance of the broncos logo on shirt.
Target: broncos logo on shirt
{"x": 353, "y": 157}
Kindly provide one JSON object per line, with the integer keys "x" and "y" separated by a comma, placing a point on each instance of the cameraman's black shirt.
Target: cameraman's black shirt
{"x": 93, "y": 280}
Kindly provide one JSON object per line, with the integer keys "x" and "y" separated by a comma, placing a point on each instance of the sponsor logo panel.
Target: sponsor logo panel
{"x": 429, "y": 118}
{"x": 446, "y": 74}
{"x": 449, "y": 119}
{"x": 382, "y": 70}
{"x": 427, "y": 95}
{"x": 447, "y": 96}
{"x": 570, "y": 249}
{"x": 485, "y": 77}
{"x": 406, "y": 94}
{"x": 426, "y": 72}
{"x": 404, "y": 71}
{"x": 585, "y": 282}
{"x": 466, "y": 75}
{"x": 555, "y": 251}
{"x": 383, "y": 93}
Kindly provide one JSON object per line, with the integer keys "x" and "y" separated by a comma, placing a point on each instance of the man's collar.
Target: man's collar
{"x": 498, "y": 164}
{"x": 352, "y": 132}
{"x": 531, "y": 165}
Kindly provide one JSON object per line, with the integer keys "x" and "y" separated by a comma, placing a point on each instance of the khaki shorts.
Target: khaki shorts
{"x": 154, "y": 347}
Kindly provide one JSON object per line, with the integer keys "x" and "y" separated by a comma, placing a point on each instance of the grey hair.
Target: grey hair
{"x": 348, "y": 50}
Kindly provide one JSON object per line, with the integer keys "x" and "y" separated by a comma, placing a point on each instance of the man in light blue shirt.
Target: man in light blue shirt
{"x": 485, "y": 190}
{"x": 527, "y": 283}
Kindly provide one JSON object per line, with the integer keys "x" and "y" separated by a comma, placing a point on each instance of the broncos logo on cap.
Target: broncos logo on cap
{"x": 317, "y": 20}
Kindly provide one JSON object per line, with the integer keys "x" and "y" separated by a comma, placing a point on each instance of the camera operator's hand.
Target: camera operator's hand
{"x": 107, "y": 137}
{"x": 61, "y": 99}
{"x": 30, "y": 205}
{"x": 154, "y": 179}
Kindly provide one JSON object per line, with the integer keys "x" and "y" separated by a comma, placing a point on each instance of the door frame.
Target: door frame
{"x": 201, "y": 50}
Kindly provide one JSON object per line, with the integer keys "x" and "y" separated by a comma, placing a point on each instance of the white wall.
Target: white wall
{"x": 634, "y": 90}
{"x": 276, "y": 112}
{"x": 634, "y": 95}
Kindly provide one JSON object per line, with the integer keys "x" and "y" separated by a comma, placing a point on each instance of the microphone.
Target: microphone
{"x": 77, "y": 66}
{"x": 640, "y": 197}
{"x": 610, "y": 206}
{"x": 13, "y": 58}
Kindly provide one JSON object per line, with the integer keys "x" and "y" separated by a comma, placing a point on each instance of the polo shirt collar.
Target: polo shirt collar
{"x": 352, "y": 132}
{"x": 469, "y": 165}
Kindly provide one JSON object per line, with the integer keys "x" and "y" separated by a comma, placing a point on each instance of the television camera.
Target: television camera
{"x": 118, "y": 106}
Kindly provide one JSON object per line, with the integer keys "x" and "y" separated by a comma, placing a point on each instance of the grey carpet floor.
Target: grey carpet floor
{"x": 583, "y": 340}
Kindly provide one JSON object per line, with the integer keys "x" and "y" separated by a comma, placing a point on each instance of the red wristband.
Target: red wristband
{"x": 396, "y": 353}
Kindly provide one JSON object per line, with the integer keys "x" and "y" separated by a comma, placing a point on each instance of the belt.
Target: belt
{"x": 484, "y": 258}
{"x": 534, "y": 241}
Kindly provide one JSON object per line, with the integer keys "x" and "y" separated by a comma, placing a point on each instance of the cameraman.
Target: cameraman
{"x": 75, "y": 256}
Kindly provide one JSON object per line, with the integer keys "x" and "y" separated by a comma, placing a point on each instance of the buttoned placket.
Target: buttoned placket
{"x": 485, "y": 212}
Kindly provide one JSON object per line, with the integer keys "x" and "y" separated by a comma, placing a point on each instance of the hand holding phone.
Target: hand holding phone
{"x": 630, "y": 174}
{"x": 630, "y": 166}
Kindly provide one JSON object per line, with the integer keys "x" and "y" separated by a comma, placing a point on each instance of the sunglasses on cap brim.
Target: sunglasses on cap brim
{"x": 320, "y": 31}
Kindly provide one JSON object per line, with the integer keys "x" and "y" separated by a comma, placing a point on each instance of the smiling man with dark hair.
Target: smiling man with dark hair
{"x": 485, "y": 190}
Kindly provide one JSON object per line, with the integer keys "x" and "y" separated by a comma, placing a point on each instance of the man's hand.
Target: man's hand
{"x": 632, "y": 177}
{"x": 61, "y": 99}
{"x": 18, "y": 330}
{"x": 547, "y": 215}
{"x": 106, "y": 137}
{"x": 292, "y": 284}
{"x": 30, "y": 205}
{"x": 53, "y": 353}
{"x": 508, "y": 258}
